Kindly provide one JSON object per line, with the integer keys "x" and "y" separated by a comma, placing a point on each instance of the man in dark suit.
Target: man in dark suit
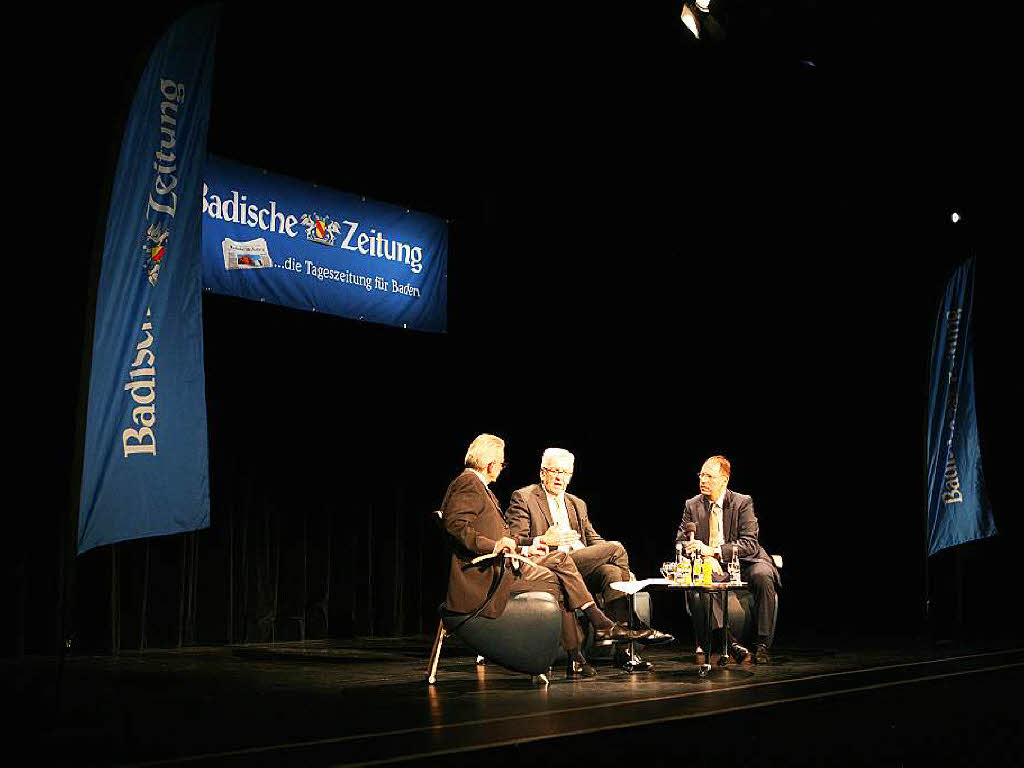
{"x": 726, "y": 525}
{"x": 544, "y": 513}
{"x": 472, "y": 517}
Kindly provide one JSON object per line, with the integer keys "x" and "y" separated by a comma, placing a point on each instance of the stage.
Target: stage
{"x": 361, "y": 702}
{"x": 659, "y": 249}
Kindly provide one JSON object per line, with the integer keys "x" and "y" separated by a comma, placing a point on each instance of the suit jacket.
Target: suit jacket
{"x": 472, "y": 518}
{"x": 529, "y": 516}
{"x": 739, "y": 527}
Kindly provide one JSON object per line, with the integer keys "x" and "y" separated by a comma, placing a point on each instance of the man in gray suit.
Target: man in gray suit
{"x": 545, "y": 514}
{"x": 726, "y": 524}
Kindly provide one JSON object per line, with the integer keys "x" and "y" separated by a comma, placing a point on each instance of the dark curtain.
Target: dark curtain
{"x": 268, "y": 569}
{"x": 325, "y": 468}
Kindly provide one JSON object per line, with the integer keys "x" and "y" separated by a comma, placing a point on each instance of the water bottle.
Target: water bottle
{"x": 683, "y": 574}
{"x": 707, "y": 572}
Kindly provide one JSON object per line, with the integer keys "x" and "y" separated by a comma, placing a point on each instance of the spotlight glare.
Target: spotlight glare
{"x": 955, "y": 217}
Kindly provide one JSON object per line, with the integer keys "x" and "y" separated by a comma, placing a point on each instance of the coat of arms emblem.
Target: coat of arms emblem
{"x": 320, "y": 229}
{"x": 155, "y": 249}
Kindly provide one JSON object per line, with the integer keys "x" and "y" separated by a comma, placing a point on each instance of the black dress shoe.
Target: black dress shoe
{"x": 761, "y": 655}
{"x": 579, "y": 670}
{"x": 620, "y": 633}
{"x": 739, "y": 653}
{"x": 658, "y": 638}
{"x": 630, "y": 662}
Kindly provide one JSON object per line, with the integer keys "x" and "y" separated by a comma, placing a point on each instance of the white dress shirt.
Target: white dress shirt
{"x": 556, "y": 505}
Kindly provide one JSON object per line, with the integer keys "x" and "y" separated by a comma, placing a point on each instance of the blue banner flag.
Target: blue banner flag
{"x": 272, "y": 238}
{"x": 145, "y": 470}
{"x": 958, "y": 509}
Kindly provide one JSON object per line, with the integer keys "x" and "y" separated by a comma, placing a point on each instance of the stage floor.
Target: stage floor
{"x": 361, "y": 702}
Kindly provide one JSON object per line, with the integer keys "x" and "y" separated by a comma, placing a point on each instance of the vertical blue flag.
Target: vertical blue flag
{"x": 145, "y": 470}
{"x": 958, "y": 509}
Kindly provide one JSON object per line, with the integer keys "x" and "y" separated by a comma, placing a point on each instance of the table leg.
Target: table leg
{"x": 632, "y": 599}
{"x": 709, "y": 610}
{"x": 705, "y": 669}
{"x": 634, "y": 664}
{"x": 724, "y": 660}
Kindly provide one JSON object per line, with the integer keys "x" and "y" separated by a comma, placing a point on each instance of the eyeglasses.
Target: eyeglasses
{"x": 708, "y": 476}
{"x": 559, "y": 472}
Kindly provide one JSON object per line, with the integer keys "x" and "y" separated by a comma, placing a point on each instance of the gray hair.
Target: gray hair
{"x": 483, "y": 450}
{"x": 557, "y": 453}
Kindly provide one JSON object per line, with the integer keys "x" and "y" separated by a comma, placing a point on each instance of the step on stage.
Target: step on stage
{"x": 366, "y": 702}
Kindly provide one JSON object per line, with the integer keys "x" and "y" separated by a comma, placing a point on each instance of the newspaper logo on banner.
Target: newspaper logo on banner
{"x": 320, "y": 229}
{"x": 250, "y": 254}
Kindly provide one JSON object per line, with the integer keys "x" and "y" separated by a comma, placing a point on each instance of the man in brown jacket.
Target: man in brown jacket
{"x": 546, "y": 513}
{"x": 472, "y": 517}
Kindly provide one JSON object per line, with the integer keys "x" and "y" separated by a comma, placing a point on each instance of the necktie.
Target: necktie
{"x": 714, "y": 539}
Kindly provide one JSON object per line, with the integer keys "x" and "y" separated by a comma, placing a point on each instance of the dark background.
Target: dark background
{"x": 660, "y": 250}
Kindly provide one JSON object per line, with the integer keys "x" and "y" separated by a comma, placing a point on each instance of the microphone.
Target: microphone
{"x": 688, "y": 528}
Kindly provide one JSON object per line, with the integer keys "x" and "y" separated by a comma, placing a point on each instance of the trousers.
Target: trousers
{"x": 557, "y": 574}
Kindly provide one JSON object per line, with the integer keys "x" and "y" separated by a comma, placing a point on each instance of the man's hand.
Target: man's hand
{"x": 537, "y": 550}
{"x": 555, "y": 536}
{"x": 504, "y": 544}
{"x": 698, "y": 546}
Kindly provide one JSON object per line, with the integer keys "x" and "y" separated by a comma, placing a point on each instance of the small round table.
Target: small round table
{"x": 721, "y": 587}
